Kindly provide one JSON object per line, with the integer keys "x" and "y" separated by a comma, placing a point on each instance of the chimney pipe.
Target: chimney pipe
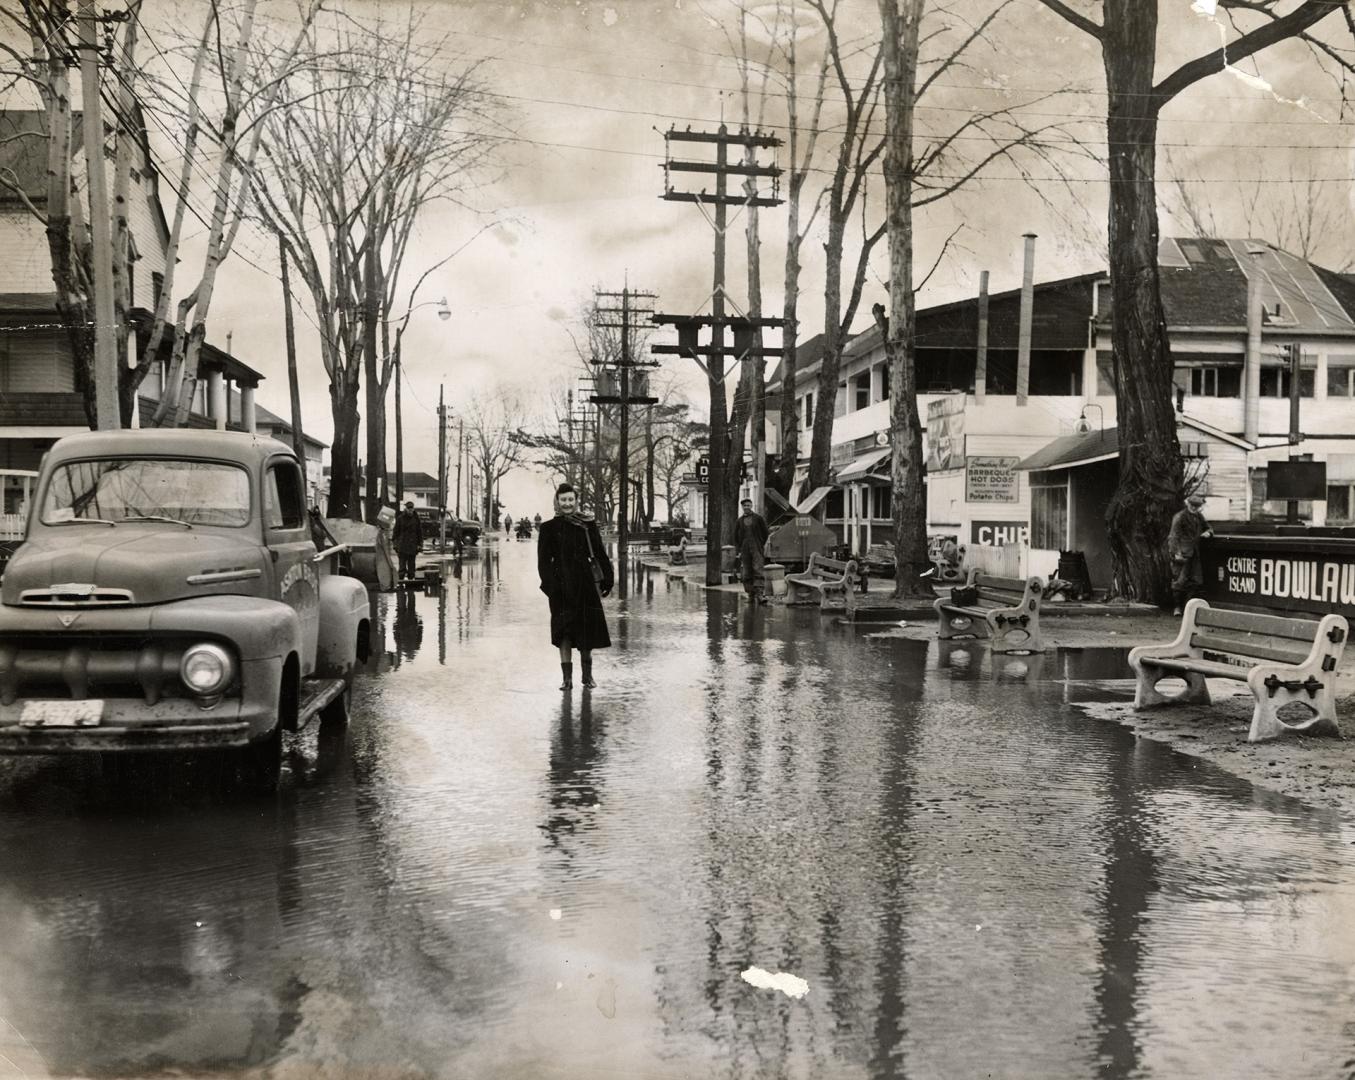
{"x": 981, "y": 364}
{"x": 1251, "y": 372}
{"x": 1027, "y": 311}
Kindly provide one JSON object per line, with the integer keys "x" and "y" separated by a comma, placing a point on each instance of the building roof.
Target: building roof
{"x": 266, "y": 416}
{"x": 1069, "y": 451}
{"x": 1204, "y": 286}
{"x": 1078, "y": 449}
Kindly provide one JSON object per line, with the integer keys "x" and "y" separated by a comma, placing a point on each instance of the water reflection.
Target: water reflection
{"x": 483, "y": 877}
{"x": 408, "y": 629}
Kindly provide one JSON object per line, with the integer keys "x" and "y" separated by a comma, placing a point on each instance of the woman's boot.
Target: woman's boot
{"x": 567, "y": 670}
{"x": 587, "y": 662}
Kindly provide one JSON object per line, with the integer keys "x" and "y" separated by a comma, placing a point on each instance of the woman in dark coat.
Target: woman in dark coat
{"x": 563, "y": 547}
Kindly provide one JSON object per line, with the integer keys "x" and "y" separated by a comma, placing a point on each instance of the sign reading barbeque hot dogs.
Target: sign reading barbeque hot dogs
{"x": 1309, "y": 574}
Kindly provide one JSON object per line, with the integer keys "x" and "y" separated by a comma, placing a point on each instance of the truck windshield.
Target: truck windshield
{"x": 193, "y": 492}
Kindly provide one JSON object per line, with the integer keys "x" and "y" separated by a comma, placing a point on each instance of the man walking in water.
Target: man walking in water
{"x": 750, "y": 537}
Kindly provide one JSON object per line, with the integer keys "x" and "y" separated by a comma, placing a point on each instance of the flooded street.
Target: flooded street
{"x": 486, "y": 878}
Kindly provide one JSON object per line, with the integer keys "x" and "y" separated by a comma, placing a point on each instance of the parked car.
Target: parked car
{"x": 431, "y": 527}
{"x": 169, "y": 596}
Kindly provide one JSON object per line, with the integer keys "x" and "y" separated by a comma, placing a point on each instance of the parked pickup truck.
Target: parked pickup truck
{"x": 169, "y": 595}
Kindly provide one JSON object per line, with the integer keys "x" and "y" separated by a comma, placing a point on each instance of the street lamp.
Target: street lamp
{"x": 1083, "y": 425}
{"x": 444, "y": 313}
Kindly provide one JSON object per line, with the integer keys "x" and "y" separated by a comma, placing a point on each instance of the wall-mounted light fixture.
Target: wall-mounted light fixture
{"x": 1083, "y": 425}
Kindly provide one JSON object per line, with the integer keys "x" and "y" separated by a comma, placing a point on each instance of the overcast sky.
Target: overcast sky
{"x": 586, "y": 90}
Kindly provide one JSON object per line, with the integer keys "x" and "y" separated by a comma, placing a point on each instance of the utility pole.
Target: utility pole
{"x": 460, "y": 453}
{"x": 107, "y": 415}
{"x": 399, "y": 437}
{"x": 1295, "y": 351}
{"x": 298, "y": 441}
{"x": 746, "y": 342}
{"x": 625, "y": 398}
{"x": 442, "y": 469}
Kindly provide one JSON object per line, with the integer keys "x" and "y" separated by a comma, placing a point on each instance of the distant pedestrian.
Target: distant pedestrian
{"x": 575, "y": 575}
{"x": 536, "y": 518}
{"x": 750, "y": 538}
{"x": 507, "y": 524}
{"x": 407, "y": 536}
{"x": 1183, "y": 545}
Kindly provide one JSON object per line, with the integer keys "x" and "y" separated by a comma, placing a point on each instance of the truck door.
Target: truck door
{"x": 287, "y": 534}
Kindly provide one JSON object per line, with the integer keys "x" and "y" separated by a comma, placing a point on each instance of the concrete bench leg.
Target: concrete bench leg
{"x": 1266, "y": 723}
{"x": 1147, "y": 696}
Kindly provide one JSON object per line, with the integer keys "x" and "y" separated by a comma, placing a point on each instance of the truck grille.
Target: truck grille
{"x": 85, "y": 598}
{"x": 87, "y": 666}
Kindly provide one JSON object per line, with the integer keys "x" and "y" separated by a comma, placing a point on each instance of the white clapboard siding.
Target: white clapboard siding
{"x": 27, "y": 266}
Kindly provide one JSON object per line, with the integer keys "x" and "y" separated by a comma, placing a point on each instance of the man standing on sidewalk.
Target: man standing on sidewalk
{"x": 1183, "y": 545}
{"x": 408, "y": 539}
{"x": 750, "y": 537}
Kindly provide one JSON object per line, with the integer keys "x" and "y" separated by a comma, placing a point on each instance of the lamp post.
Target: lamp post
{"x": 444, "y": 313}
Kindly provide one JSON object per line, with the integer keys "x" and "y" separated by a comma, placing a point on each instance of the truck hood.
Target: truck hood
{"x": 152, "y": 563}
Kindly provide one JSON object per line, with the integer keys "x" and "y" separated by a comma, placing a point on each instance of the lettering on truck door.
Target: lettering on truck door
{"x": 287, "y": 534}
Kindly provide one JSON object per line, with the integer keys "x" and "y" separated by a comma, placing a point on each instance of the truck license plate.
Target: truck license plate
{"x": 86, "y": 713}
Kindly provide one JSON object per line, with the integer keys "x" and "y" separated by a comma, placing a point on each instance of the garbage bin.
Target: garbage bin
{"x": 729, "y": 559}
{"x": 775, "y": 573}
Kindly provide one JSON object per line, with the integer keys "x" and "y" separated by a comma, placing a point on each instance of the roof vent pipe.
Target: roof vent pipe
{"x": 1027, "y": 311}
{"x": 1251, "y": 372}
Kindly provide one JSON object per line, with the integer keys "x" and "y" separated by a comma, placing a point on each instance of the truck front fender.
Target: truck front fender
{"x": 343, "y": 609}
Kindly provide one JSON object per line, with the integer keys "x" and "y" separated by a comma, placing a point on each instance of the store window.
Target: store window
{"x": 1275, "y": 382}
{"x": 862, "y": 382}
{"x": 1049, "y": 511}
{"x": 1223, "y": 382}
{"x": 1339, "y": 503}
{"x": 1341, "y": 376}
{"x": 807, "y": 410}
{"x": 884, "y": 382}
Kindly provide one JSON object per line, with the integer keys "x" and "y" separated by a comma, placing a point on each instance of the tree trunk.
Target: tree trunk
{"x": 900, "y": 20}
{"x": 1150, "y": 488}
{"x": 343, "y": 456}
{"x": 825, "y": 405}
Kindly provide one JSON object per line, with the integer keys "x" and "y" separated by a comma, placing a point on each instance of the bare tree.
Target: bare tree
{"x": 1151, "y": 471}
{"x": 900, "y": 21}
{"x": 367, "y": 145}
{"x": 493, "y": 422}
{"x": 191, "y": 115}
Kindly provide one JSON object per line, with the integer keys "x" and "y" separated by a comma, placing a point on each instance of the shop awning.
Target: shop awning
{"x": 1070, "y": 451}
{"x": 860, "y": 468}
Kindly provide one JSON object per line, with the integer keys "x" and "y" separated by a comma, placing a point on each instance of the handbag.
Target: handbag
{"x": 964, "y": 595}
{"x": 593, "y": 567}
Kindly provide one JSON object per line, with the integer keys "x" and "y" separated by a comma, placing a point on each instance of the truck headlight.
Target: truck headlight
{"x": 206, "y": 669}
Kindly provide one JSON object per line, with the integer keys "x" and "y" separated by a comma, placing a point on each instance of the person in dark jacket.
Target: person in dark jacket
{"x": 407, "y": 536}
{"x": 750, "y": 538}
{"x": 1183, "y": 545}
{"x": 568, "y": 546}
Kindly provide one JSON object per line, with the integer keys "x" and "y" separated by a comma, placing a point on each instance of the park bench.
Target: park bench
{"x": 826, "y": 577}
{"x": 1006, "y": 610}
{"x": 1281, "y": 660}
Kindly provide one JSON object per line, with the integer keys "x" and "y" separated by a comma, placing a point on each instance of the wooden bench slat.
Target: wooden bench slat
{"x": 1006, "y": 584}
{"x": 1215, "y": 668}
{"x": 1256, "y": 647}
{"x": 1274, "y": 625}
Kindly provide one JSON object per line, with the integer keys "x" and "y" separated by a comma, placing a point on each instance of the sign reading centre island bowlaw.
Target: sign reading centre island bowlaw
{"x": 1299, "y": 575}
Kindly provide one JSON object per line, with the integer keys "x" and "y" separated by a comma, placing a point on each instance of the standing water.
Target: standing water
{"x": 485, "y": 877}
